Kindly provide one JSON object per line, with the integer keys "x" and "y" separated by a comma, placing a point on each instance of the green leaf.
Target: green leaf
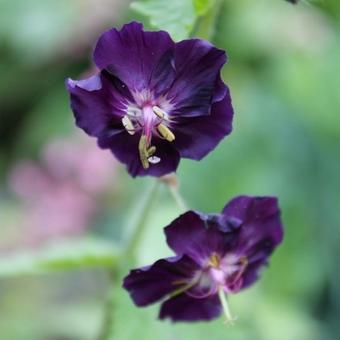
{"x": 203, "y": 6}
{"x": 177, "y": 16}
{"x": 66, "y": 255}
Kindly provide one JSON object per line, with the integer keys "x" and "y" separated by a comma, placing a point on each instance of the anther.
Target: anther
{"x": 154, "y": 160}
{"x": 134, "y": 112}
{"x": 166, "y": 132}
{"x": 151, "y": 151}
{"x": 143, "y": 153}
{"x": 128, "y": 125}
{"x": 160, "y": 113}
{"x": 214, "y": 260}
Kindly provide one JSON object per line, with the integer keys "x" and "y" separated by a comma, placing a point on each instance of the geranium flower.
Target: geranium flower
{"x": 216, "y": 254}
{"x": 153, "y": 100}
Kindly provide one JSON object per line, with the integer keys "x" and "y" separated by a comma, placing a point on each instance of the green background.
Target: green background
{"x": 284, "y": 76}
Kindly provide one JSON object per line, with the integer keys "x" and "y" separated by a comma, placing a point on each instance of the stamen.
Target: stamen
{"x": 186, "y": 286}
{"x": 244, "y": 263}
{"x": 214, "y": 260}
{"x": 160, "y": 113}
{"x": 151, "y": 151}
{"x": 143, "y": 153}
{"x": 166, "y": 132}
{"x": 128, "y": 125}
{"x": 229, "y": 318}
{"x": 154, "y": 160}
{"x": 134, "y": 112}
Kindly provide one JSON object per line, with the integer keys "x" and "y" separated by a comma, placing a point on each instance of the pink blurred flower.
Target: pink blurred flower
{"x": 59, "y": 195}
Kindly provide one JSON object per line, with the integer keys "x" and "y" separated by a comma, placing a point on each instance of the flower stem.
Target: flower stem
{"x": 178, "y": 198}
{"x": 172, "y": 183}
{"x": 229, "y": 318}
{"x": 137, "y": 227}
{"x": 107, "y": 326}
{"x": 142, "y": 213}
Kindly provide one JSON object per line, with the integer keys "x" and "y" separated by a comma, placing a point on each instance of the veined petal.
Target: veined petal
{"x": 190, "y": 234}
{"x": 198, "y": 64}
{"x": 98, "y": 103}
{"x": 197, "y": 136}
{"x": 136, "y": 57}
{"x": 261, "y": 231}
{"x": 150, "y": 284}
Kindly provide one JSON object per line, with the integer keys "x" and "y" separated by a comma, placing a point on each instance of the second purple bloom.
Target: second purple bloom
{"x": 216, "y": 254}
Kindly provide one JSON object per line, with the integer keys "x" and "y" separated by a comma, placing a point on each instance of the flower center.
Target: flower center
{"x": 220, "y": 275}
{"x": 150, "y": 120}
{"x": 149, "y": 116}
{"x": 225, "y": 272}
{"x": 214, "y": 260}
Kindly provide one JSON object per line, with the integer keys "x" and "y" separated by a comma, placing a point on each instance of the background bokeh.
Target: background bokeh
{"x": 64, "y": 204}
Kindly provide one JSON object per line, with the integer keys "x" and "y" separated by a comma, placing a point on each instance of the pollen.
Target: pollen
{"x": 154, "y": 160}
{"x": 143, "y": 152}
{"x": 151, "y": 151}
{"x": 214, "y": 260}
{"x": 160, "y": 113}
{"x": 166, "y": 132}
{"x": 128, "y": 125}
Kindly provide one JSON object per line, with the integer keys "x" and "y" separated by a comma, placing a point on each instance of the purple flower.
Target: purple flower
{"x": 153, "y": 100}
{"x": 216, "y": 254}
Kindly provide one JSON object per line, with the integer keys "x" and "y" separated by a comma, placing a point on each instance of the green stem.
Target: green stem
{"x": 143, "y": 211}
{"x": 141, "y": 214}
{"x": 107, "y": 325}
{"x": 178, "y": 198}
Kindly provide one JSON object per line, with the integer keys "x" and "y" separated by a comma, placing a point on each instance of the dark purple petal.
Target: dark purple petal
{"x": 186, "y": 308}
{"x": 98, "y": 103}
{"x": 260, "y": 233}
{"x": 189, "y": 234}
{"x": 150, "y": 284}
{"x": 221, "y": 90}
{"x": 247, "y": 208}
{"x": 197, "y": 136}
{"x": 125, "y": 148}
{"x": 198, "y": 65}
{"x": 136, "y": 57}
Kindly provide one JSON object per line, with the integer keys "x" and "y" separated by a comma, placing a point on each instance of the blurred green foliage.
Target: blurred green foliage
{"x": 283, "y": 71}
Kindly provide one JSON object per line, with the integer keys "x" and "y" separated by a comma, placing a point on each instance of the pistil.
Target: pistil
{"x": 147, "y": 119}
{"x": 229, "y": 318}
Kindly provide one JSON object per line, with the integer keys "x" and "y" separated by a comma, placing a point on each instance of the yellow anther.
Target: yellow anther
{"x": 151, "y": 151}
{"x": 243, "y": 261}
{"x": 128, "y": 125}
{"x": 214, "y": 260}
{"x": 160, "y": 113}
{"x": 166, "y": 132}
{"x": 143, "y": 152}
